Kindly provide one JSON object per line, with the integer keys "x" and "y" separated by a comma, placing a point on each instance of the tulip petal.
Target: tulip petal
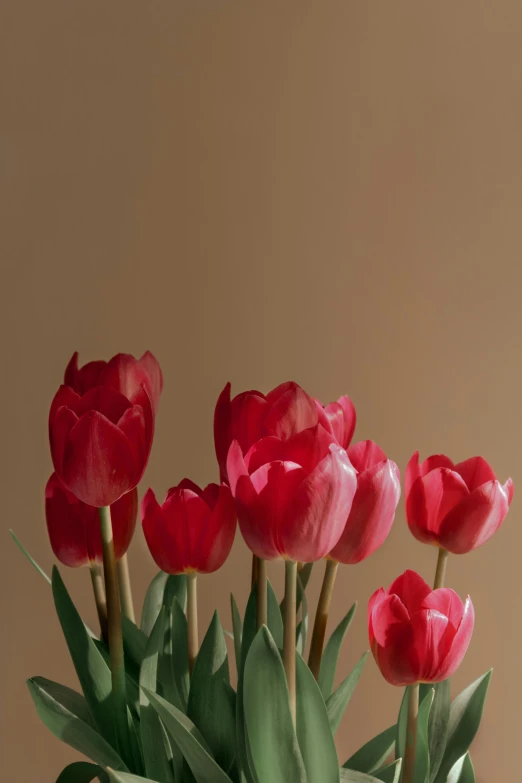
{"x": 475, "y": 519}
{"x": 430, "y": 499}
{"x": 475, "y": 471}
{"x": 222, "y": 423}
{"x": 414, "y": 469}
{"x": 133, "y": 425}
{"x": 98, "y": 465}
{"x": 371, "y": 515}
{"x": 430, "y": 643}
{"x": 308, "y": 447}
{"x": 392, "y": 643}
{"x": 386, "y": 613}
{"x": 107, "y": 401}
{"x": 64, "y": 419}
{"x": 365, "y": 454}
{"x": 235, "y": 466}
{"x": 290, "y": 410}
{"x": 66, "y": 524}
{"x": 123, "y": 514}
{"x": 447, "y": 602}
{"x": 217, "y": 538}
{"x": 256, "y": 513}
{"x": 168, "y": 556}
{"x": 320, "y": 507}
{"x": 459, "y": 644}
{"x": 85, "y": 378}
{"x": 65, "y": 397}
{"x": 248, "y": 410}
{"x": 509, "y": 489}
{"x": 150, "y": 364}
{"x": 269, "y": 449}
{"x": 342, "y": 419}
{"x": 411, "y": 589}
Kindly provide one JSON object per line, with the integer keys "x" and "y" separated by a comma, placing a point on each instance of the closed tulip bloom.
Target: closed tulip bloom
{"x": 339, "y": 418}
{"x": 455, "y": 506}
{"x": 373, "y": 508}
{"x": 293, "y": 495}
{"x": 123, "y": 372}
{"x": 74, "y": 528}
{"x": 418, "y": 634}
{"x": 192, "y": 530}
{"x": 100, "y": 442}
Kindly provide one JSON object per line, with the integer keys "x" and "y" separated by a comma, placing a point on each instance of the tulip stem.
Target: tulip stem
{"x": 192, "y": 618}
{"x": 127, "y": 604}
{"x": 261, "y": 593}
{"x": 411, "y": 734}
{"x": 440, "y": 573}
{"x": 321, "y": 618}
{"x": 289, "y": 630}
{"x": 115, "y": 637}
{"x": 253, "y": 577}
{"x": 99, "y": 599}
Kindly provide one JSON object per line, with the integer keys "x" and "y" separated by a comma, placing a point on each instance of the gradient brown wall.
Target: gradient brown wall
{"x": 324, "y": 191}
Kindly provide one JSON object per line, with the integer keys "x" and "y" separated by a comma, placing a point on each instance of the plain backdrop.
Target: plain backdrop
{"x": 323, "y": 191}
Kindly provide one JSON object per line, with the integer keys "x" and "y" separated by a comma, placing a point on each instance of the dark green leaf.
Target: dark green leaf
{"x": 351, "y": 776}
{"x": 465, "y": 715}
{"x": 462, "y": 771}
{"x": 162, "y": 591}
{"x": 422, "y": 754}
{"x": 438, "y": 724}
{"x": 209, "y": 706}
{"x": 82, "y": 772}
{"x": 156, "y": 747}
{"x": 174, "y": 664}
{"x": 190, "y": 742}
{"x": 134, "y": 640}
{"x": 126, "y": 777}
{"x": 26, "y": 554}
{"x": 93, "y": 672}
{"x": 72, "y": 701}
{"x": 275, "y": 620}
{"x": 237, "y": 626}
{"x": 314, "y": 734}
{"x": 302, "y": 628}
{"x": 304, "y": 574}
{"x": 402, "y": 722}
{"x": 273, "y": 744}
{"x": 374, "y": 753}
{"x": 391, "y": 773}
{"x": 69, "y": 728}
{"x": 338, "y": 701}
{"x": 331, "y": 654}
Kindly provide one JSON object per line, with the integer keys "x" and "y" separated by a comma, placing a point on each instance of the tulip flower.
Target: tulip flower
{"x": 74, "y": 529}
{"x": 373, "y": 508}
{"x": 293, "y": 495}
{"x": 340, "y": 419}
{"x": 418, "y": 634}
{"x": 100, "y": 442}
{"x": 457, "y": 507}
{"x": 192, "y": 530}
{"x": 123, "y": 372}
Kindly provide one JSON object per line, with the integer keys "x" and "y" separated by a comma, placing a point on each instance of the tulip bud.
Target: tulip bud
{"x": 74, "y": 528}
{"x": 458, "y": 507}
{"x": 418, "y": 634}
{"x": 292, "y": 495}
{"x": 192, "y": 530}
{"x": 373, "y": 508}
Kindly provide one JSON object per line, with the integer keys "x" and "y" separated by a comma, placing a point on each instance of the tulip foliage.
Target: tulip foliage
{"x": 259, "y": 703}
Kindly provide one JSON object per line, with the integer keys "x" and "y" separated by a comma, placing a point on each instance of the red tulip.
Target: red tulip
{"x": 340, "y": 419}
{"x": 418, "y": 634}
{"x": 123, "y": 372}
{"x": 458, "y": 507}
{"x": 193, "y": 530}
{"x": 374, "y": 504}
{"x": 293, "y": 495}
{"x": 74, "y": 529}
{"x": 100, "y": 443}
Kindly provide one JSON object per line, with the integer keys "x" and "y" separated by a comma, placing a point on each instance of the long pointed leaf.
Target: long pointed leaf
{"x": 237, "y": 626}
{"x": 338, "y": 701}
{"x": 331, "y": 654}
{"x": 26, "y": 554}
{"x": 391, "y": 773}
{"x": 438, "y": 724}
{"x": 462, "y": 771}
{"x": 82, "y": 772}
{"x": 374, "y": 753}
{"x": 127, "y": 777}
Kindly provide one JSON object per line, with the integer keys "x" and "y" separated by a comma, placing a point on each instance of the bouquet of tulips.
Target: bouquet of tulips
{"x": 158, "y": 705}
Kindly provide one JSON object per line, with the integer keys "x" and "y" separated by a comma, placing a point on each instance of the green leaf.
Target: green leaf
{"x": 302, "y": 628}
{"x": 304, "y": 574}
{"x": 465, "y": 715}
{"x": 174, "y": 663}
{"x": 68, "y": 727}
{"x": 237, "y": 626}
{"x": 422, "y": 754}
{"x": 331, "y": 654}
{"x": 209, "y": 705}
{"x": 352, "y": 776}
{"x": 126, "y": 777}
{"x": 275, "y": 620}
{"x": 338, "y": 701}
{"x": 438, "y": 723}
{"x": 134, "y": 640}
{"x": 72, "y": 701}
{"x": 26, "y": 554}
{"x": 402, "y": 722}
{"x": 156, "y": 747}
{"x": 273, "y": 744}
{"x": 189, "y": 740}
{"x": 93, "y": 672}
{"x": 162, "y": 591}
{"x": 391, "y": 773}
{"x": 314, "y": 734}
{"x": 374, "y": 753}
{"x": 462, "y": 771}
{"x": 82, "y": 772}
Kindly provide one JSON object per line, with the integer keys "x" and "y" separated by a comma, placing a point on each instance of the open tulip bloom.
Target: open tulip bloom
{"x": 159, "y": 707}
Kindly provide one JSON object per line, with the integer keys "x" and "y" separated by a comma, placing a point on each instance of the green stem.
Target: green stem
{"x": 119, "y": 697}
{"x": 289, "y": 630}
{"x": 99, "y": 598}
{"x": 321, "y": 618}
{"x": 127, "y": 604}
{"x": 261, "y": 593}
{"x": 440, "y": 573}
{"x": 192, "y": 619}
{"x": 408, "y": 766}
{"x": 253, "y": 575}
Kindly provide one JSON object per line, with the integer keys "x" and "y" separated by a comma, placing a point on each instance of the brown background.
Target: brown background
{"x": 323, "y": 191}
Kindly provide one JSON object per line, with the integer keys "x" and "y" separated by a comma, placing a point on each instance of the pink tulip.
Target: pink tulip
{"x": 458, "y": 507}
{"x": 418, "y": 634}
